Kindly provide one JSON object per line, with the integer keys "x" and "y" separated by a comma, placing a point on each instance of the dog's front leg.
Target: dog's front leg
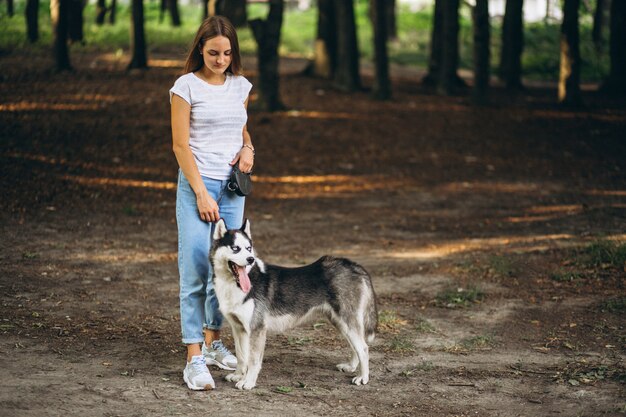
{"x": 257, "y": 348}
{"x": 239, "y": 332}
{"x": 242, "y": 349}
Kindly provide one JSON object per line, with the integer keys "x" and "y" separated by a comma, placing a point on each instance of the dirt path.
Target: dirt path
{"x": 475, "y": 224}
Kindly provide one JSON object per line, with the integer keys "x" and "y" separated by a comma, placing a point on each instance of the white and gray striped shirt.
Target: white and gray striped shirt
{"x": 217, "y": 119}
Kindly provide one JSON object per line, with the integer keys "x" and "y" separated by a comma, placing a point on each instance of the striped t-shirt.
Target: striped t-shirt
{"x": 217, "y": 119}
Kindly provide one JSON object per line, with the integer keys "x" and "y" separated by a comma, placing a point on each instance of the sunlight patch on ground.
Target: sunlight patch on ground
{"x": 320, "y": 115}
{"x": 30, "y": 106}
{"x": 518, "y": 243}
{"x": 121, "y": 182}
{"x": 51, "y": 160}
{"x": 125, "y": 257}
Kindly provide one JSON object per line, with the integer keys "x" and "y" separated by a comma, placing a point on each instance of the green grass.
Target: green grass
{"x": 478, "y": 342}
{"x": 459, "y": 297}
{"x": 604, "y": 253}
{"x": 411, "y": 48}
{"x": 565, "y": 276}
{"x": 502, "y": 266}
{"x": 424, "y": 326}
{"x": 401, "y": 344}
{"x": 615, "y": 305}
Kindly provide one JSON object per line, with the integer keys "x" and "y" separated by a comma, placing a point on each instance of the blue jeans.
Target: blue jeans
{"x": 199, "y": 308}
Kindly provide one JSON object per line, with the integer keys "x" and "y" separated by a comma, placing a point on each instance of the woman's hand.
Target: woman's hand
{"x": 207, "y": 207}
{"x": 245, "y": 158}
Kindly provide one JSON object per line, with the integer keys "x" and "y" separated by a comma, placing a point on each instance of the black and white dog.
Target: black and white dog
{"x": 256, "y": 298}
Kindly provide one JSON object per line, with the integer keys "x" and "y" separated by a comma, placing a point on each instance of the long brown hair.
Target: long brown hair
{"x": 210, "y": 28}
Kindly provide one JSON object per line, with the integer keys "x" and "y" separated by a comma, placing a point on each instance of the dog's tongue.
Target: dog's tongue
{"x": 244, "y": 279}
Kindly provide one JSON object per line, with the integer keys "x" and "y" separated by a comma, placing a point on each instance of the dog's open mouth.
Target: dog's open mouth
{"x": 241, "y": 276}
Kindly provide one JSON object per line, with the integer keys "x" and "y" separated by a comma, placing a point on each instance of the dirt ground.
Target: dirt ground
{"x": 473, "y": 223}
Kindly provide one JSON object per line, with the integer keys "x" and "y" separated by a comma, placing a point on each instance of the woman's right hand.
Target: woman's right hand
{"x": 207, "y": 207}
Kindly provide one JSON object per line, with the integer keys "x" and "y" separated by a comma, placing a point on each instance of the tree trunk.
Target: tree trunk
{"x": 75, "y": 20}
{"x": 346, "y": 77}
{"x": 325, "y": 50}
{"x": 382, "y": 83}
{"x": 172, "y": 6}
{"x": 598, "y": 20}
{"x": 392, "y": 27}
{"x": 616, "y": 82}
{"x": 267, "y": 35}
{"x": 10, "y": 8}
{"x": 59, "y": 10}
{"x": 450, "y": 54}
{"x": 569, "y": 77}
{"x": 510, "y": 71}
{"x": 205, "y": 9}
{"x": 32, "y": 20}
{"x": 436, "y": 46}
{"x": 101, "y": 11}
{"x": 480, "y": 13}
{"x": 162, "y": 10}
{"x": 234, "y": 10}
{"x": 139, "y": 58}
{"x": 112, "y": 12}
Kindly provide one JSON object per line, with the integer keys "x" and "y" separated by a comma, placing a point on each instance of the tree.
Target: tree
{"x": 267, "y": 35}
{"x": 447, "y": 78}
{"x": 59, "y": 10}
{"x": 113, "y": 8}
{"x": 382, "y": 83}
{"x": 101, "y": 11}
{"x": 325, "y": 53}
{"x": 598, "y": 20}
{"x": 10, "y": 8}
{"x": 436, "y": 45}
{"x": 346, "y": 75}
{"x": 234, "y": 10}
{"x": 75, "y": 20}
{"x": 139, "y": 58}
{"x": 569, "y": 74}
{"x": 616, "y": 81}
{"x": 32, "y": 20}
{"x": 392, "y": 27}
{"x": 480, "y": 14}
{"x": 172, "y": 6}
{"x": 510, "y": 71}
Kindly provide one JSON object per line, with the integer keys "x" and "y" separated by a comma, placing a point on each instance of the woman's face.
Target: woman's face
{"x": 217, "y": 54}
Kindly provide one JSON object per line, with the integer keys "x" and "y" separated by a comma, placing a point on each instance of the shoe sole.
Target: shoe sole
{"x": 210, "y": 361}
{"x": 207, "y": 387}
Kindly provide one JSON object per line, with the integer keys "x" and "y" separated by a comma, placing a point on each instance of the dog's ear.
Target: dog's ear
{"x": 246, "y": 228}
{"x": 220, "y": 229}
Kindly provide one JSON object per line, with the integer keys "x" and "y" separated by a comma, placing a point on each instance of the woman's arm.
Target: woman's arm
{"x": 181, "y": 111}
{"x": 245, "y": 156}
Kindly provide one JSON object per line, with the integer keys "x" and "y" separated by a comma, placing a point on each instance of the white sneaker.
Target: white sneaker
{"x": 197, "y": 375}
{"x": 219, "y": 355}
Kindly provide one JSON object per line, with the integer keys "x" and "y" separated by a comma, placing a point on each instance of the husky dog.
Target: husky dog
{"x": 256, "y": 298}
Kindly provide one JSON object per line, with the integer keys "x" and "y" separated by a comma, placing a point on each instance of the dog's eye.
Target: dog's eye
{"x": 235, "y": 249}
{"x": 249, "y": 248}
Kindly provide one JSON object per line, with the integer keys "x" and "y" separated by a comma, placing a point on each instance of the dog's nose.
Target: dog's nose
{"x": 250, "y": 260}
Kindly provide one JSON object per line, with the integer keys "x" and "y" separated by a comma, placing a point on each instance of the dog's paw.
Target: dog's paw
{"x": 247, "y": 385}
{"x": 360, "y": 379}
{"x": 346, "y": 367}
{"x": 234, "y": 377}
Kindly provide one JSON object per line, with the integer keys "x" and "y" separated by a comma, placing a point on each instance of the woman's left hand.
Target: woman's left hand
{"x": 245, "y": 158}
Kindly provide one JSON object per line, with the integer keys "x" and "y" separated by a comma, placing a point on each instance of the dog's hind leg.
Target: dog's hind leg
{"x": 360, "y": 352}
{"x": 349, "y": 366}
{"x": 255, "y": 359}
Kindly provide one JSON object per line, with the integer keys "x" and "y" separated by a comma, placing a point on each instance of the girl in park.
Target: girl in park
{"x": 209, "y": 133}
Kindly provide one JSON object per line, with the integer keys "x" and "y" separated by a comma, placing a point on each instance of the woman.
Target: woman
{"x": 209, "y": 133}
